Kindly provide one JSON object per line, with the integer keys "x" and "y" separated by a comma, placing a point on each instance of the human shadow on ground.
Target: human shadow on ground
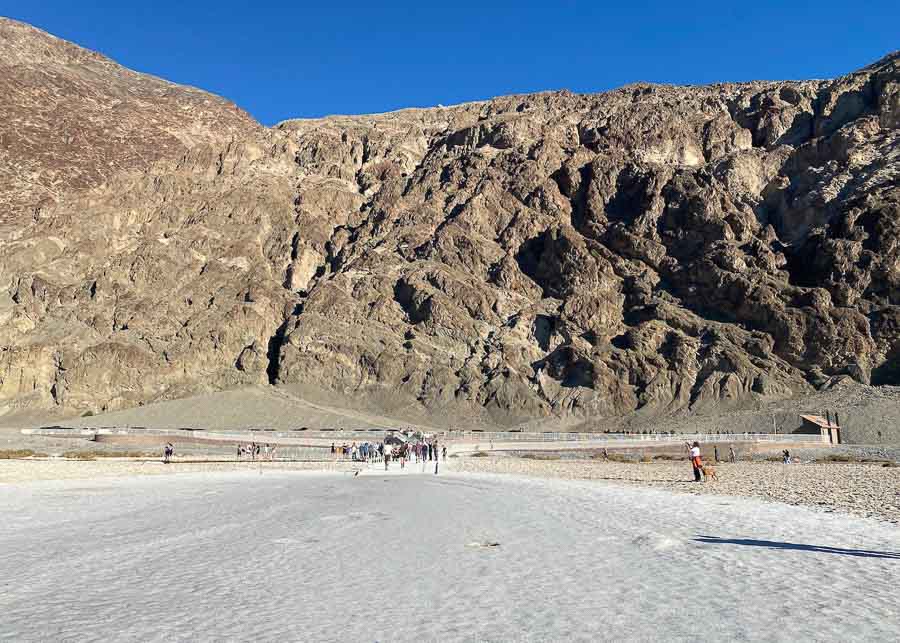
{"x": 775, "y": 544}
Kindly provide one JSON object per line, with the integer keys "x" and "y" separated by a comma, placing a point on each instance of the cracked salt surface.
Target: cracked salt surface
{"x": 329, "y": 557}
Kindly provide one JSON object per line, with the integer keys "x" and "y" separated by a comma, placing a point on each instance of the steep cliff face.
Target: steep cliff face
{"x": 133, "y": 219}
{"x": 653, "y": 249}
{"x": 73, "y": 119}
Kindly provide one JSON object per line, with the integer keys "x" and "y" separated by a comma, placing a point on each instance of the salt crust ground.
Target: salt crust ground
{"x": 18, "y": 471}
{"x": 331, "y": 557}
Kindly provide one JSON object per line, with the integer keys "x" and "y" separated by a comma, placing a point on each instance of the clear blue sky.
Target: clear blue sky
{"x": 279, "y": 60}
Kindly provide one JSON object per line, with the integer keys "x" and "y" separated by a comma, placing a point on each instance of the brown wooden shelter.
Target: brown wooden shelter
{"x": 817, "y": 425}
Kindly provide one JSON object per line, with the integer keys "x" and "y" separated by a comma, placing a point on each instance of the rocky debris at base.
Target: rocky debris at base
{"x": 863, "y": 489}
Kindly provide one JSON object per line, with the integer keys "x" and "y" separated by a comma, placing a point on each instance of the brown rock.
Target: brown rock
{"x": 654, "y": 249}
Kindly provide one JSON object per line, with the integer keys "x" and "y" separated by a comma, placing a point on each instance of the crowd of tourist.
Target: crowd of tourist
{"x": 256, "y": 451}
{"x": 397, "y": 451}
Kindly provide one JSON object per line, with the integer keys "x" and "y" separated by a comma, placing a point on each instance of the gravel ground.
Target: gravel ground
{"x": 862, "y": 489}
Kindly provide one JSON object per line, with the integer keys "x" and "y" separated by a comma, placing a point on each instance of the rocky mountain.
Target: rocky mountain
{"x": 651, "y": 250}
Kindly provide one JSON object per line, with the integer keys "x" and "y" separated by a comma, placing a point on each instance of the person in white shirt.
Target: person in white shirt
{"x": 696, "y": 462}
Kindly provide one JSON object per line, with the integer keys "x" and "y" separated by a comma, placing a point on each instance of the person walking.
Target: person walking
{"x": 696, "y": 461}
{"x": 732, "y": 457}
{"x": 716, "y": 453}
{"x": 444, "y": 452}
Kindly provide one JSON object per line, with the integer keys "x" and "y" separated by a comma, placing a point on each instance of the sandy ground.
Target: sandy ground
{"x": 19, "y": 471}
{"x": 270, "y": 406}
{"x": 869, "y": 414}
{"x": 861, "y": 489}
{"x": 455, "y": 557}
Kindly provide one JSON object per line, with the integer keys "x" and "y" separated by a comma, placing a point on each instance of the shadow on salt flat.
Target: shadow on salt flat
{"x": 774, "y": 544}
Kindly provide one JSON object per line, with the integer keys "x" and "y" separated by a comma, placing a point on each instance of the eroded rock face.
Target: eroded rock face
{"x": 653, "y": 249}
